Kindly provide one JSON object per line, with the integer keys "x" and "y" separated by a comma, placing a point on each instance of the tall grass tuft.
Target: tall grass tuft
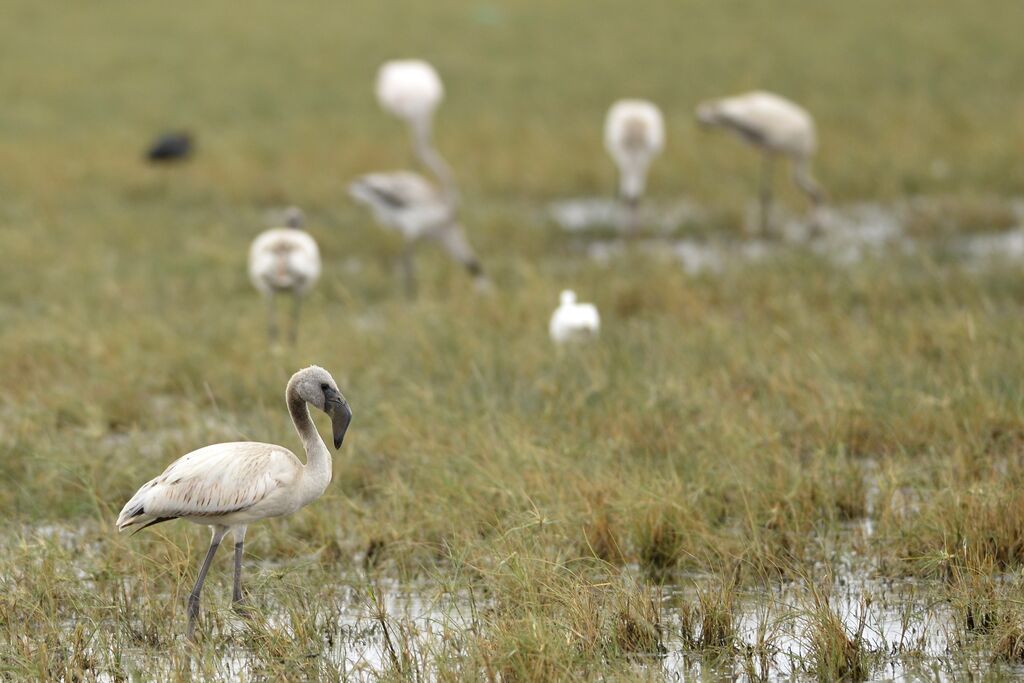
{"x": 835, "y": 653}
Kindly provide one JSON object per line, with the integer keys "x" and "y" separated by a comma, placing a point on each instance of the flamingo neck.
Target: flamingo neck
{"x": 316, "y": 475}
{"x": 432, "y": 159}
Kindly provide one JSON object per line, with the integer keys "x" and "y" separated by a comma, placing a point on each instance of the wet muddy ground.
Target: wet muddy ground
{"x": 843, "y": 234}
{"x": 370, "y": 627}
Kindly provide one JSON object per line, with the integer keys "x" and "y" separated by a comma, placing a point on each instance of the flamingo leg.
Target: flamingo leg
{"x": 408, "y": 268}
{"x": 236, "y": 592}
{"x": 271, "y": 317}
{"x": 632, "y": 222}
{"x": 767, "y": 167}
{"x": 293, "y": 336}
{"x": 193, "y": 598}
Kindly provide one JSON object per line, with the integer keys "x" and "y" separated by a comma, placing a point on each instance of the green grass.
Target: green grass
{"x": 726, "y": 431}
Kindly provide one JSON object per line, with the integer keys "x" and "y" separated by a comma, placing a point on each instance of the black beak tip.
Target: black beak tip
{"x": 341, "y": 417}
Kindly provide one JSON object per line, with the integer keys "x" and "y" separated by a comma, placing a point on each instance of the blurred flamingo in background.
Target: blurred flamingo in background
{"x": 777, "y": 127}
{"x": 634, "y": 133}
{"x": 412, "y": 90}
{"x": 284, "y": 260}
{"x": 404, "y": 200}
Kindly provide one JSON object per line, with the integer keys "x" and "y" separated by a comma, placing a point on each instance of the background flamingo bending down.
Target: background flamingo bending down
{"x": 634, "y": 133}
{"x": 775, "y": 125}
{"x": 284, "y": 261}
{"x": 228, "y": 486}
{"x": 406, "y": 201}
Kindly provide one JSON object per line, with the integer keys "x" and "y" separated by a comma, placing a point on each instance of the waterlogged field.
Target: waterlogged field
{"x": 788, "y": 456}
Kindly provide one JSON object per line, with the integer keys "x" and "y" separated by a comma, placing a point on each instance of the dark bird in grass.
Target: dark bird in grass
{"x": 170, "y": 147}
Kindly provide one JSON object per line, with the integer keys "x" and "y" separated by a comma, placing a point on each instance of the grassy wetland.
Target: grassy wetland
{"x": 805, "y": 462}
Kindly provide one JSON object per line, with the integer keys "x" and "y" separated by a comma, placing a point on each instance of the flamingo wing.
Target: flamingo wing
{"x": 212, "y": 482}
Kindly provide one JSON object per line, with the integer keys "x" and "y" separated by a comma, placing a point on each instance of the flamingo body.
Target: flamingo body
{"x": 764, "y": 120}
{"x": 226, "y": 484}
{"x": 634, "y": 134}
{"x": 284, "y": 261}
{"x": 776, "y": 126}
{"x": 403, "y": 201}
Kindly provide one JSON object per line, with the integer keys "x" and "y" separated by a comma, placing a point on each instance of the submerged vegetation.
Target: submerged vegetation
{"x": 779, "y": 467}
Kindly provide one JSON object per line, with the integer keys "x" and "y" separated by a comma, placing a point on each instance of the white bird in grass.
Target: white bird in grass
{"x": 228, "y": 486}
{"x": 778, "y": 127}
{"x": 573, "y": 322}
{"x": 634, "y": 133}
{"x": 406, "y": 201}
{"x": 284, "y": 261}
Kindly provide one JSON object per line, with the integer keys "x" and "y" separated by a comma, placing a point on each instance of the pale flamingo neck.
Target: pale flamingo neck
{"x": 422, "y": 141}
{"x": 316, "y": 475}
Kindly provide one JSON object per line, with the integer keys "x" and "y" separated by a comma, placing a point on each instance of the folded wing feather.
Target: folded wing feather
{"x": 213, "y": 481}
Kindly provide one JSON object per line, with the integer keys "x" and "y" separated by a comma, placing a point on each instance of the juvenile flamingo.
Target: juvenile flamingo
{"x": 634, "y": 134}
{"x": 284, "y": 261}
{"x": 406, "y": 201}
{"x": 409, "y": 203}
{"x": 228, "y": 486}
{"x": 776, "y": 126}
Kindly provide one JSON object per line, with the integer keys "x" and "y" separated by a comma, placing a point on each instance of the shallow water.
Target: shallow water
{"x": 422, "y": 615}
{"x": 905, "y": 629}
{"x": 906, "y": 626}
{"x": 844, "y": 235}
{"x": 603, "y": 213}
{"x": 897, "y": 624}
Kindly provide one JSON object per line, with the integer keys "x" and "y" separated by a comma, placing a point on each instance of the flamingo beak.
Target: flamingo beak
{"x": 341, "y": 415}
